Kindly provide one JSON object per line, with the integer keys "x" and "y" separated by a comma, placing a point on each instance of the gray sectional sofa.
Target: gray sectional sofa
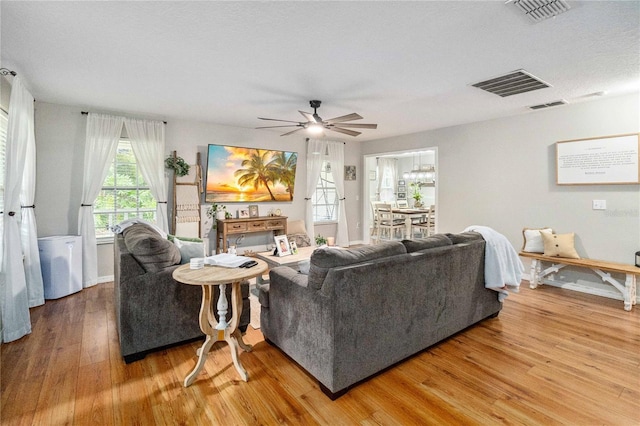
{"x": 153, "y": 311}
{"x": 361, "y": 310}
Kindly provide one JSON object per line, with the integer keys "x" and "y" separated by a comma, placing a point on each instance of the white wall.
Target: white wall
{"x": 498, "y": 173}
{"x": 501, "y": 173}
{"x": 60, "y": 137}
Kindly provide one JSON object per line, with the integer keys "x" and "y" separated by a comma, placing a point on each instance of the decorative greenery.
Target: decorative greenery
{"x": 177, "y": 164}
{"x": 213, "y": 210}
{"x": 416, "y": 194}
{"x": 320, "y": 240}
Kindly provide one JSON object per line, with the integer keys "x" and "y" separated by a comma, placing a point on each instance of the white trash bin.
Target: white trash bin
{"x": 61, "y": 265}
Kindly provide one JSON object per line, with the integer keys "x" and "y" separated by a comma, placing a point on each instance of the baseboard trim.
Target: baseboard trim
{"x": 105, "y": 279}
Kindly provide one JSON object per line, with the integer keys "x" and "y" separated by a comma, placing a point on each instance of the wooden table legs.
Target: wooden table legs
{"x": 219, "y": 330}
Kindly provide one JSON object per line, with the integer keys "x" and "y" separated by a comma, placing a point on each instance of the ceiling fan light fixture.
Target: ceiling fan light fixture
{"x": 315, "y": 125}
{"x": 314, "y": 128}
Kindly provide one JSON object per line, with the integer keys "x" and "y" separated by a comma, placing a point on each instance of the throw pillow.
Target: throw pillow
{"x": 533, "y": 239}
{"x": 302, "y": 240}
{"x": 559, "y": 245}
{"x": 150, "y": 249}
{"x": 188, "y": 249}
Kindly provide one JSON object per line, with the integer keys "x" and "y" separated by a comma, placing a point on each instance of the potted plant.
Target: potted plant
{"x": 177, "y": 164}
{"x": 416, "y": 195}
{"x": 320, "y": 240}
{"x": 217, "y": 212}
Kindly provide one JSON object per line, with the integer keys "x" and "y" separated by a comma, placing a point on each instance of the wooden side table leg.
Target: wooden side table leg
{"x": 232, "y": 333}
{"x": 206, "y": 316}
{"x": 233, "y": 346}
{"x": 202, "y": 357}
{"x": 236, "y": 301}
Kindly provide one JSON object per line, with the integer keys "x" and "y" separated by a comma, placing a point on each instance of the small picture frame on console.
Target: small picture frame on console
{"x": 282, "y": 245}
{"x": 243, "y": 213}
{"x": 253, "y": 210}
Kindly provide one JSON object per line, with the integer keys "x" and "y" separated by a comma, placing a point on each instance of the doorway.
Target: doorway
{"x": 397, "y": 176}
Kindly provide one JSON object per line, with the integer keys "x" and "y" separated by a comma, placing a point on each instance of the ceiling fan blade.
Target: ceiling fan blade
{"x": 293, "y": 131}
{"x": 275, "y": 119}
{"x": 310, "y": 118}
{"x": 272, "y": 127}
{"x": 359, "y": 125}
{"x": 345, "y": 131}
{"x": 348, "y": 117}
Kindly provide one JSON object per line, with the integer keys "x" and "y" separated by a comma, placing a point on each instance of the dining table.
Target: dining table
{"x": 409, "y": 214}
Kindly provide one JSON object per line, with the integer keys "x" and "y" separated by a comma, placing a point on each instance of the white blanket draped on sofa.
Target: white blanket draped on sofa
{"x": 502, "y": 267}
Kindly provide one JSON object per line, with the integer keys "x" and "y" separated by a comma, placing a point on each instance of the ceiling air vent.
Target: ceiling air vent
{"x": 513, "y": 83}
{"x": 550, "y": 104}
{"x": 539, "y": 10}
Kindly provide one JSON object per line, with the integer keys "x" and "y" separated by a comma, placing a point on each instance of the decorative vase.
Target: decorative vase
{"x": 417, "y": 204}
{"x": 220, "y": 215}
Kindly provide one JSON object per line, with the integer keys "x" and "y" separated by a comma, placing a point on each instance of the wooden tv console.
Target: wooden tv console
{"x": 225, "y": 227}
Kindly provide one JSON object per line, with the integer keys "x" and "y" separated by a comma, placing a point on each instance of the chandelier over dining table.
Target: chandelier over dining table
{"x": 421, "y": 172}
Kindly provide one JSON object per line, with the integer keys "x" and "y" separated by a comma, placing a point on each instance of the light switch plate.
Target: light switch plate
{"x": 599, "y": 204}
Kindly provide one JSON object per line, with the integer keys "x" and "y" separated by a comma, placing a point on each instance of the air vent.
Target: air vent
{"x": 512, "y": 84}
{"x": 550, "y": 104}
{"x": 539, "y": 10}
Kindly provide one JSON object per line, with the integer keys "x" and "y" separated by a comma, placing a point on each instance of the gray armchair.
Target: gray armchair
{"x": 153, "y": 311}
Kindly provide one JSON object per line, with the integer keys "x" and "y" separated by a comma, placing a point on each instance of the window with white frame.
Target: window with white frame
{"x": 124, "y": 193}
{"x": 387, "y": 185}
{"x": 3, "y": 144}
{"x": 325, "y": 198}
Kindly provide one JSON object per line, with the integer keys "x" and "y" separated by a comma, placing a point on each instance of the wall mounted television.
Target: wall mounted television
{"x": 240, "y": 175}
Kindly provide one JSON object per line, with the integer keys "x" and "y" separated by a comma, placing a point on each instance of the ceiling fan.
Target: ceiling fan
{"x": 315, "y": 124}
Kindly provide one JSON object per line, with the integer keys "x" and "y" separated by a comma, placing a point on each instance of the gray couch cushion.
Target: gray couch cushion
{"x": 325, "y": 258}
{"x": 438, "y": 240}
{"x": 148, "y": 247}
{"x": 464, "y": 237}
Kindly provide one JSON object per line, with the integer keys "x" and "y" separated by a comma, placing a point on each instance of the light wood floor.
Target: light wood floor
{"x": 551, "y": 357}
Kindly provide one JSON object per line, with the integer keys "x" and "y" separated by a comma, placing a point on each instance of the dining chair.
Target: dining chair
{"x": 426, "y": 226}
{"x": 388, "y": 222}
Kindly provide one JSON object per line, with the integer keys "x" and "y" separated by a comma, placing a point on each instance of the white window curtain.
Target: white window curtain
{"x": 336, "y": 158}
{"x": 103, "y": 134}
{"x": 28, "y": 228}
{"x": 315, "y": 156}
{"x": 14, "y": 302}
{"x": 147, "y": 142}
{"x": 387, "y": 167}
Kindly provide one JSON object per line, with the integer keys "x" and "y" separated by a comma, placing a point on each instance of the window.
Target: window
{"x": 3, "y": 144}
{"x": 124, "y": 193}
{"x": 325, "y": 199}
{"x": 387, "y": 184}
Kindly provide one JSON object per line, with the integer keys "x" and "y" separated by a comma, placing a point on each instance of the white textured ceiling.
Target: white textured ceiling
{"x": 407, "y": 66}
